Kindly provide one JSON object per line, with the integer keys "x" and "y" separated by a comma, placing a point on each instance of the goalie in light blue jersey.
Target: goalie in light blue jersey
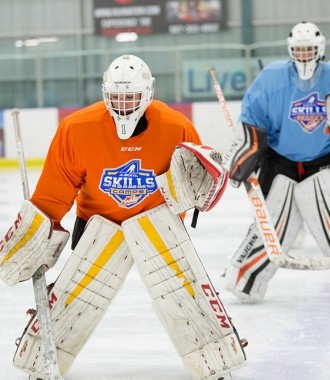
{"x": 284, "y": 136}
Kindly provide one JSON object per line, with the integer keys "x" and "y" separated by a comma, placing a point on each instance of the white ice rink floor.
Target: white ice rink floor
{"x": 288, "y": 334}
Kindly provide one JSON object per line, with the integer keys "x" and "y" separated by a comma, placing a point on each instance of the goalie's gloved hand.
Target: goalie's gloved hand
{"x": 196, "y": 178}
{"x": 245, "y": 152}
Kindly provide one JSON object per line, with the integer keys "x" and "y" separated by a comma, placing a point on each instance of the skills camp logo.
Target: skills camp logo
{"x": 309, "y": 113}
{"x": 128, "y": 184}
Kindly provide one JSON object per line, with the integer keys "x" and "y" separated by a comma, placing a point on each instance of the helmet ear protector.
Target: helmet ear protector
{"x": 306, "y": 47}
{"x": 128, "y": 89}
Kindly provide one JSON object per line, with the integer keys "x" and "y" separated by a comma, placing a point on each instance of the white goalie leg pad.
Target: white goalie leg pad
{"x": 183, "y": 296}
{"x": 251, "y": 270}
{"x": 80, "y": 296}
{"x": 313, "y": 198}
{"x": 196, "y": 178}
{"x": 30, "y": 243}
{"x": 284, "y": 210}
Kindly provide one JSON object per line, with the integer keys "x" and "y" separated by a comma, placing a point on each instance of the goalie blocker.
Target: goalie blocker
{"x": 184, "y": 298}
{"x": 245, "y": 153}
{"x": 31, "y": 242}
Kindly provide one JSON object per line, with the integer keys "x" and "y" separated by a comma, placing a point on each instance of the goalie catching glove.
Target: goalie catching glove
{"x": 196, "y": 178}
{"x": 244, "y": 155}
{"x": 30, "y": 243}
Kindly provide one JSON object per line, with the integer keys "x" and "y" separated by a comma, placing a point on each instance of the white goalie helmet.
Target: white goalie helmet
{"x": 306, "y": 46}
{"x": 128, "y": 89}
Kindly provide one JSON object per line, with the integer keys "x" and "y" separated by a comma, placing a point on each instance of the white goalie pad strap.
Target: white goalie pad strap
{"x": 86, "y": 286}
{"x": 313, "y": 199}
{"x": 196, "y": 178}
{"x": 182, "y": 293}
{"x": 251, "y": 268}
{"x": 29, "y": 244}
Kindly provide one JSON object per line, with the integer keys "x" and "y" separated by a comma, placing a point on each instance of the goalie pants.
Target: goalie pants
{"x": 78, "y": 230}
{"x": 274, "y": 164}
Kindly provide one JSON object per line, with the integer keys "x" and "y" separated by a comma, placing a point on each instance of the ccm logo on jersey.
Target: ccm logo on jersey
{"x": 10, "y": 232}
{"x": 130, "y": 148}
{"x": 216, "y": 306}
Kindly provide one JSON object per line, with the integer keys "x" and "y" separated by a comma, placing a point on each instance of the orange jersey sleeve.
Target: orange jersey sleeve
{"x": 114, "y": 178}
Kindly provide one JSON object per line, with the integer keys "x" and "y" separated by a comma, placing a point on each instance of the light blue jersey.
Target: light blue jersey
{"x": 291, "y": 110}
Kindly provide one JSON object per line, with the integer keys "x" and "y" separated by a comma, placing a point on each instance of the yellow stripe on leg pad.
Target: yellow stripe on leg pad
{"x": 36, "y": 223}
{"x": 95, "y": 268}
{"x": 164, "y": 251}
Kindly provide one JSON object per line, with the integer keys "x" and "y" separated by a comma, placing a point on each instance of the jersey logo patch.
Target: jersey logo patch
{"x": 308, "y": 112}
{"x": 128, "y": 184}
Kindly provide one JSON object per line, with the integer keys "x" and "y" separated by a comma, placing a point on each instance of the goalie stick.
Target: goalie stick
{"x": 39, "y": 279}
{"x": 259, "y": 207}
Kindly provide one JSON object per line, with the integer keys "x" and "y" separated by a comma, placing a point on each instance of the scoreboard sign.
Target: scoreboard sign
{"x": 147, "y": 17}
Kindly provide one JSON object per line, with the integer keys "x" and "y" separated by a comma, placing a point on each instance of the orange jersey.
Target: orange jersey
{"x": 105, "y": 175}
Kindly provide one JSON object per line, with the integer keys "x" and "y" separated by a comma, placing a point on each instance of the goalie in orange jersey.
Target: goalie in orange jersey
{"x": 132, "y": 165}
